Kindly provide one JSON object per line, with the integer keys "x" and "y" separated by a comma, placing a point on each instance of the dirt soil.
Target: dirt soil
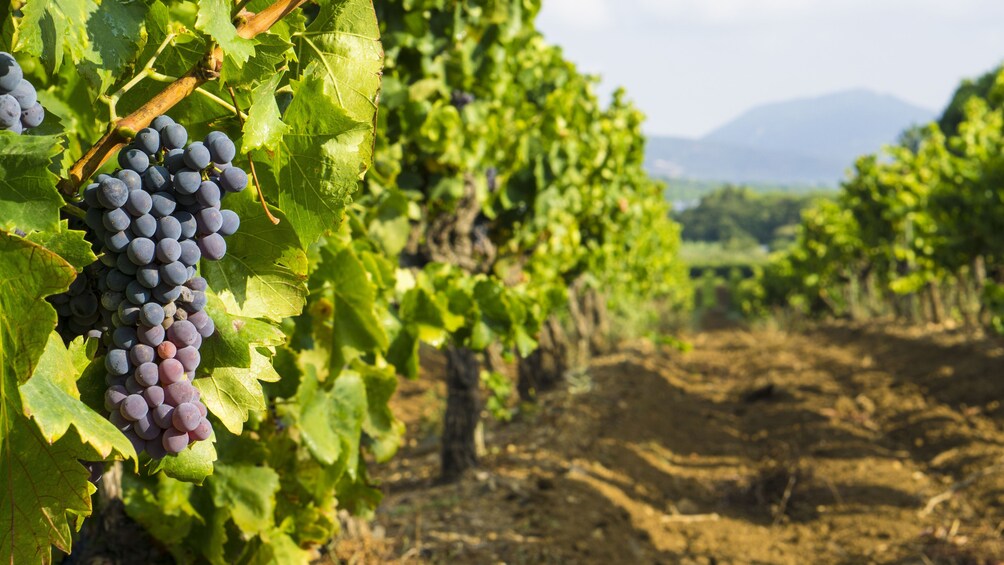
{"x": 839, "y": 444}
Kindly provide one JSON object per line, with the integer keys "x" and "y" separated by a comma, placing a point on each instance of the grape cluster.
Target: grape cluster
{"x": 459, "y": 99}
{"x": 19, "y": 107}
{"x": 151, "y": 222}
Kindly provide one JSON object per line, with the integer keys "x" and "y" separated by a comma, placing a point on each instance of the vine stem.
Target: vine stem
{"x": 254, "y": 174}
{"x": 120, "y": 132}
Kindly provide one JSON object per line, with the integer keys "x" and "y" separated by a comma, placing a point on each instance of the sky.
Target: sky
{"x": 693, "y": 65}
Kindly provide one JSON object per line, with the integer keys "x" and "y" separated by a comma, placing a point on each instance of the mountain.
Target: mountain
{"x": 808, "y": 140}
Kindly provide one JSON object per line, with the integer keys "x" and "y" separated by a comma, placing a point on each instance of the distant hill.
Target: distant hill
{"x": 804, "y": 141}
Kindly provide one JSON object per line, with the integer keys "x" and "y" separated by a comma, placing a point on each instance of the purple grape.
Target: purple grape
{"x": 190, "y": 253}
{"x": 168, "y": 227}
{"x": 145, "y": 225}
{"x": 187, "y": 181}
{"x": 154, "y": 396}
{"x": 118, "y": 241}
{"x": 119, "y": 421}
{"x": 151, "y": 314}
{"x": 199, "y": 319}
{"x": 148, "y": 140}
{"x": 163, "y": 204}
{"x": 182, "y": 333}
{"x": 159, "y": 123}
{"x": 201, "y": 432}
{"x": 175, "y": 441}
{"x": 140, "y": 354}
{"x": 141, "y": 251}
{"x": 197, "y": 156}
{"x": 134, "y": 407}
{"x": 209, "y": 220}
{"x": 179, "y": 393}
{"x": 117, "y": 280}
{"x": 132, "y": 180}
{"x": 147, "y": 374}
{"x": 124, "y": 264}
{"x": 114, "y": 396}
{"x": 231, "y": 222}
{"x": 221, "y": 149}
{"x": 150, "y": 335}
{"x": 148, "y": 276}
{"x": 146, "y": 428}
{"x": 32, "y": 117}
{"x": 188, "y": 224}
{"x": 174, "y": 160}
{"x": 198, "y": 404}
{"x": 10, "y": 72}
{"x": 117, "y": 362}
{"x": 137, "y": 293}
{"x": 10, "y": 112}
{"x": 116, "y": 220}
{"x": 213, "y": 246}
{"x": 208, "y": 194}
{"x": 233, "y": 179}
{"x": 124, "y": 337}
{"x": 25, "y": 94}
{"x": 129, "y": 314}
{"x": 132, "y": 386}
{"x": 155, "y": 448}
{"x": 163, "y": 414}
{"x": 173, "y": 136}
{"x": 112, "y": 193}
{"x": 189, "y": 357}
{"x": 134, "y": 160}
{"x": 165, "y": 293}
{"x": 171, "y": 372}
{"x": 140, "y": 203}
{"x": 168, "y": 250}
{"x": 156, "y": 179}
{"x": 206, "y": 330}
{"x": 186, "y": 417}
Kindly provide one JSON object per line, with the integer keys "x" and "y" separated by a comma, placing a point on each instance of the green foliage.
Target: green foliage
{"x": 919, "y": 216}
{"x": 315, "y": 316}
{"x": 738, "y": 216}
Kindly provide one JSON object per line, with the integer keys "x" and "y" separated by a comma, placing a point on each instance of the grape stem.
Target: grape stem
{"x": 254, "y": 174}
{"x": 166, "y": 99}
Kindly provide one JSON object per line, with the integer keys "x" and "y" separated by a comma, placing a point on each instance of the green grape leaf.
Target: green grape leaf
{"x": 28, "y": 196}
{"x": 28, "y": 273}
{"x": 68, "y": 244}
{"x": 330, "y": 421}
{"x": 248, "y": 494}
{"x": 277, "y": 547}
{"x": 344, "y": 41}
{"x": 383, "y": 429}
{"x": 318, "y": 164}
{"x": 264, "y": 272}
{"x": 214, "y": 20}
{"x": 56, "y": 28}
{"x": 161, "y": 505}
{"x": 235, "y": 337}
{"x": 232, "y": 393}
{"x": 270, "y": 51}
{"x": 264, "y": 127}
{"x": 43, "y": 484}
{"x": 355, "y": 327}
{"x": 51, "y": 399}
{"x": 192, "y": 465}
